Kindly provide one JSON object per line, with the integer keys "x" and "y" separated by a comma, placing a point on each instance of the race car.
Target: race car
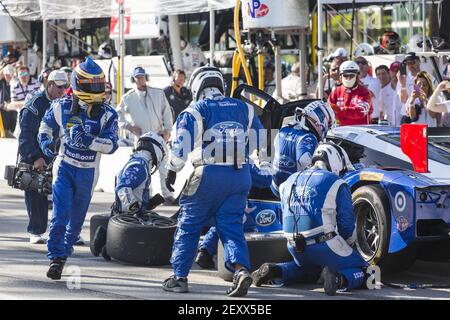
{"x": 400, "y": 214}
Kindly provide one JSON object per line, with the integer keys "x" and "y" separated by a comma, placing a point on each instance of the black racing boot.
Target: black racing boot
{"x": 204, "y": 259}
{"x": 266, "y": 273}
{"x": 241, "y": 282}
{"x": 56, "y": 268}
{"x": 175, "y": 284}
{"x": 332, "y": 281}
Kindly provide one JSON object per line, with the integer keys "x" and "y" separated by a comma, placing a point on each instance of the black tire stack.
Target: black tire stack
{"x": 138, "y": 241}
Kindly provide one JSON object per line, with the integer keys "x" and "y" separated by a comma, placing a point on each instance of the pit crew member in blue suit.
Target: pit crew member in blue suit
{"x": 88, "y": 128}
{"x": 208, "y": 247}
{"x": 214, "y": 130}
{"x": 132, "y": 186}
{"x": 296, "y": 142}
{"x": 29, "y": 119}
{"x": 314, "y": 202}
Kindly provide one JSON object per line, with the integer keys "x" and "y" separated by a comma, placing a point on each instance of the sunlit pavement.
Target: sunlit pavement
{"x": 23, "y": 268}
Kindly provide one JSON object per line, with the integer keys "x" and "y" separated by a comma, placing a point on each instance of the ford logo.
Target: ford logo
{"x": 228, "y": 127}
{"x": 286, "y": 162}
{"x": 265, "y": 218}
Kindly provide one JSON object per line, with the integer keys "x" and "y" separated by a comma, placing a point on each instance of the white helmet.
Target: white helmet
{"x": 363, "y": 49}
{"x": 317, "y": 117}
{"x": 334, "y": 156}
{"x": 414, "y": 42}
{"x": 205, "y": 77}
{"x": 349, "y": 67}
{"x": 154, "y": 144}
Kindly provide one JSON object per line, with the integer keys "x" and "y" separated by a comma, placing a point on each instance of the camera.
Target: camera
{"x": 25, "y": 177}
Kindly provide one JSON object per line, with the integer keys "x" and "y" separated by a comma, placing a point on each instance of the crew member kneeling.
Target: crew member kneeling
{"x": 88, "y": 127}
{"x": 313, "y": 203}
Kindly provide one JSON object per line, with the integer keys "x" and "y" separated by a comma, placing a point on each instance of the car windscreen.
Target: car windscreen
{"x": 438, "y": 146}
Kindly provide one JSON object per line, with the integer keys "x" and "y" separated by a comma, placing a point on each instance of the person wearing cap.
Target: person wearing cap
{"x": 352, "y": 101}
{"x": 390, "y": 103}
{"x": 405, "y": 85}
{"x": 145, "y": 109}
{"x": 393, "y": 71}
{"x": 339, "y": 53}
{"x": 22, "y": 88}
{"x": 29, "y": 152}
{"x": 372, "y": 84}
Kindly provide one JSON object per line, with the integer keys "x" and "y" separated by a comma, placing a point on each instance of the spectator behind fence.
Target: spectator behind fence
{"x": 405, "y": 84}
{"x": 436, "y": 103}
{"x": 177, "y": 94}
{"x": 269, "y": 78}
{"x": 372, "y": 84}
{"x": 291, "y": 86}
{"x": 389, "y": 101}
{"x": 9, "y": 117}
{"x": 351, "y": 102}
{"x": 331, "y": 78}
{"x": 145, "y": 109}
{"x": 418, "y": 100}
{"x": 25, "y": 85}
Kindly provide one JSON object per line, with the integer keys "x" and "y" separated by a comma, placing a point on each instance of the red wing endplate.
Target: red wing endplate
{"x": 414, "y": 143}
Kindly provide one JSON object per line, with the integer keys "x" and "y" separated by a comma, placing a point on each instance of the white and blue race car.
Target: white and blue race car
{"x": 401, "y": 215}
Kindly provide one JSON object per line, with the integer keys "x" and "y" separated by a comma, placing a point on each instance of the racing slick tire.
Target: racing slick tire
{"x": 262, "y": 247}
{"x": 137, "y": 241}
{"x": 98, "y": 220}
{"x": 373, "y": 230}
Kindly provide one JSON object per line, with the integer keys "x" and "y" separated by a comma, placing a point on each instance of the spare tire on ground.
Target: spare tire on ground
{"x": 262, "y": 247}
{"x": 98, "y": 220}
{"x": 141, "y": 241}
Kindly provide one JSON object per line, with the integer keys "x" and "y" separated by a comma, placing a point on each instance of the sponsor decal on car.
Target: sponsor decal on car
{"x": 400, "y": 201}
{"x": 266, "y": 218}
{"x": 402, "y": 223}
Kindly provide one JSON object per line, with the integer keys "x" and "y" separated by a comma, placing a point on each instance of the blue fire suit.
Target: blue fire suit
{"x": 132, "y": 185}
{"x": 76, "y": 167}
{"x": 211, "y": 238}
{"x": 215, "y": 132}
{"x": 294, "y": 148}
{"x": 314, "y": 202}
{"x": 29, "y": 119}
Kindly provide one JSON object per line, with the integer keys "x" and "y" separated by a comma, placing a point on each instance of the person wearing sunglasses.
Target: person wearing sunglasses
{"x": 352, "y": 101}
{"x": 24, "y": 86}
{"x": 372, "y": 84}
{"x": 29, "y": 152}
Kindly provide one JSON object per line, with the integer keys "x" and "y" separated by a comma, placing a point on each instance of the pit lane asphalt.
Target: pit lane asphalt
{"x": 23, "y": 267}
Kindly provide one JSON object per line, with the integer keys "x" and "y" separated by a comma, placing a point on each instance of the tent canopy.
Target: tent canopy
{"x": 82, "y": 9}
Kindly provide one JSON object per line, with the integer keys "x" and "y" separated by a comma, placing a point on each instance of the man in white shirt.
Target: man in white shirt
{"x": 292, "y": 84}
{"x": 389, "y": 101}
{"x": 145, "y": 109}
{"x": 372, "y": 84}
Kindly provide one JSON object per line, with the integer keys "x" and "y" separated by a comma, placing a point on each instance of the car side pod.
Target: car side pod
{"x": 414, "y": 144}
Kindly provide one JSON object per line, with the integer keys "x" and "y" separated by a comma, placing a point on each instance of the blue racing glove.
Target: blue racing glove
{"x": 48, "y": 148}
{"x": 80, "y": 137}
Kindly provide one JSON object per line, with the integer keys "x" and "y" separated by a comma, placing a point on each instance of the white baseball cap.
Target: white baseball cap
{"x": 59, "y": 77}
{"x": 340, "y": 52}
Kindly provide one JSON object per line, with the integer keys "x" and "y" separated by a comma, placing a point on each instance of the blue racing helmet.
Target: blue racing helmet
{"x": 88, "y": 82}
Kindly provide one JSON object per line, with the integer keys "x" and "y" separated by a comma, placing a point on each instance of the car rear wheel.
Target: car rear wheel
{"x": 373, "y": 229}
